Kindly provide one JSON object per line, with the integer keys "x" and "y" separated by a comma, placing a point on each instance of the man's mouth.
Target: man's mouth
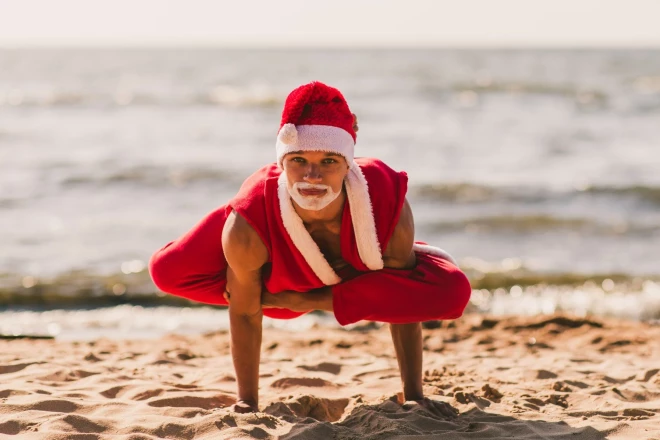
{"x": 312, "y": 192}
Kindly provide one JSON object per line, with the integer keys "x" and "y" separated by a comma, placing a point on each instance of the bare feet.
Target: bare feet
{"x": 244, "y": 407}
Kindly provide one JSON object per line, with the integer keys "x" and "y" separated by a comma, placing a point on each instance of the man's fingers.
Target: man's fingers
{"x": 437, "y": 408}
{"x": 444, "y": 409}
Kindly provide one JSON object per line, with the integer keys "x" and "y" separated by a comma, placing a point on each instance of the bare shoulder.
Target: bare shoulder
{"x": 399, "y": 253}
{"x": 241, "y": 244}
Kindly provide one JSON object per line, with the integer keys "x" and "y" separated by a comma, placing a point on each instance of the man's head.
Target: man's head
{"x": 315, "y": 144}
{"x": 316, "y": 117}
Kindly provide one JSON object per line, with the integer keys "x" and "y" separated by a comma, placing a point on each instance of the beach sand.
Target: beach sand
{"x": 552, "y": 377}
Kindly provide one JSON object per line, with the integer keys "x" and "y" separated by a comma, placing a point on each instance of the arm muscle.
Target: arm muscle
{"x": 399, "y": 253}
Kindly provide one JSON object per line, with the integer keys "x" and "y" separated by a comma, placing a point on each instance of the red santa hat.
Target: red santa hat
{"x": 316, "y": 117}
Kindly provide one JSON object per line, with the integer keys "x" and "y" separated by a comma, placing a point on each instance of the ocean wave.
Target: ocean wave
{"x": 531, "y": 88}
{"x": 467, "y": 93}
{"x": 475, "y": 193}
{"x": 457, "y": 192}
{"x": 83, "y": 289}
{"x": 493, "y": 276}
{"x": 647, "y": 84}
{"x": 133, "y": 284}
{"x": 638, "y": 299}
{"x": 643, "y": 193}
{"x": 257, "y": 96}
{"x": 9, "y": 203}
{"x": 152, "y": 176}
{"x": 221, "y": 95}
{"x": 539, "y": 222}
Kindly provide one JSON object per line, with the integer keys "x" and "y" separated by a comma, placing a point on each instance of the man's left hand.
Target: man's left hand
{"x": 435, "y": 407}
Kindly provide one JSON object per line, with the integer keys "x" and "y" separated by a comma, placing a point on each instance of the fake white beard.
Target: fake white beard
{"x": 312, "y": 203}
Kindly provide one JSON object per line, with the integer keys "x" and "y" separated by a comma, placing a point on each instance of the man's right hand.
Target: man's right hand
{"x": 244, "y": 407}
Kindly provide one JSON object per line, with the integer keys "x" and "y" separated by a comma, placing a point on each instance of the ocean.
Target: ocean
{"x": 538, "y": 170}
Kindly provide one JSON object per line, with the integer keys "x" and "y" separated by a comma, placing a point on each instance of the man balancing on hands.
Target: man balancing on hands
{"x": 317, "y": 230}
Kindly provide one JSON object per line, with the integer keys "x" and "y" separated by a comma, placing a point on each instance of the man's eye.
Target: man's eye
{"x": 298, "y": 159}
{"x": 328, "y": 161}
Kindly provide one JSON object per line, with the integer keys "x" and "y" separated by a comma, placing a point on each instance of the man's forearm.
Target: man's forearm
{"x": 407, "y": 340}
{"x": 317, "y": 299}
{"x": 246, "y": 334}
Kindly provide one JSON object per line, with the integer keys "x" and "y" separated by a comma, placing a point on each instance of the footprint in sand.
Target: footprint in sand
{"x": 220, "y": 401}
{"x": 59, "y": 406}
{"x": 66, "y": 375}
{"x": 318, "y": 408}
{"x": 577, "y": 383}
{"x": 147, "y": 394}
{"x": 13, "y": 368}
{"x": 648, "y": 375}
{"x": 638, "y": 414}
{"x": 6, "y": 393}
{"x": 112, "y": 393}
{"x": 545, "y": 374}
{"x": 75, "y": 423}
{"x": 15, "y": 427}
{"x": 326, "y": 367}
{"x": 290, "y": 382}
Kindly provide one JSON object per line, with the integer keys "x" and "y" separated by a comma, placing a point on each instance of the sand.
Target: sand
{"x": 522, "y": 378}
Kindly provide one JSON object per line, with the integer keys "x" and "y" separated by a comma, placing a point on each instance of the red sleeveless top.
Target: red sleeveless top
{"x": 260, "y": 204}
{"x": 194, "y": 266}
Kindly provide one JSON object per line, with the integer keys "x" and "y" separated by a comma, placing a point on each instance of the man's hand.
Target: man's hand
{"x": 244, "y": 407}
{"x": 435, "y": 407}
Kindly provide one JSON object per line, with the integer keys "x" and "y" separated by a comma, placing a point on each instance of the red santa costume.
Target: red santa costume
{"x": 316, "y": 118}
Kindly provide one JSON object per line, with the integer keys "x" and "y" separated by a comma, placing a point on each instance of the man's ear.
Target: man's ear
{"x": 355, "y": 122}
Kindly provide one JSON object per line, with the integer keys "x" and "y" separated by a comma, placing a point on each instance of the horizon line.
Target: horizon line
{"x": 224, "y": 46}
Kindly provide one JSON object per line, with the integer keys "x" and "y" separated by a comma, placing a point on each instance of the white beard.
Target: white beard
{"x": 312, "y": 203}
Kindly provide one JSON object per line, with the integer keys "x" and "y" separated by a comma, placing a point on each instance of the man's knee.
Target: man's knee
{"x": 453, "y": 295}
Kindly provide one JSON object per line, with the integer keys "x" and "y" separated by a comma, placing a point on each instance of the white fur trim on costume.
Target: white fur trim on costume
{"x": 314, "y": 138}
{"x": 288, "y": 134}
{"x": 301, "y": 237}
{"x": 362, "y": 215}
{"x": 432, "y": 250}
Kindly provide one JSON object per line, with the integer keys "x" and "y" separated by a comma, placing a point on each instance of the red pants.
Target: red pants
{"x": 194, "y": 267}
{"x": 434, "y": 289}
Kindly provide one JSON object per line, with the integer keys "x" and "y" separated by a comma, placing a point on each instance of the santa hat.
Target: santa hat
{"x": 316, "y": 117}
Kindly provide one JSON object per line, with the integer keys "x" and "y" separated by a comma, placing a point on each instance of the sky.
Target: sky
{"x": 336, "y": 23}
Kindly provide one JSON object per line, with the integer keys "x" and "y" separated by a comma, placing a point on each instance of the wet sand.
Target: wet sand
{"x": 551, "y": 377}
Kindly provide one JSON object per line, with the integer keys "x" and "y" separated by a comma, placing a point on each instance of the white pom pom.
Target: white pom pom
{"x": 288, "y": 134}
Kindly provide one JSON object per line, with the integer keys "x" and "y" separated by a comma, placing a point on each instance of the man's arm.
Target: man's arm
{"x": 407, "y": 338}
{"x": 245, "y": 254}
{"x": 399, "y": 253}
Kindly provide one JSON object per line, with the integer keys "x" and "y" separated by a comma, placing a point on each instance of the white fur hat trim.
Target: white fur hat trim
{"x": 314, "y": 138}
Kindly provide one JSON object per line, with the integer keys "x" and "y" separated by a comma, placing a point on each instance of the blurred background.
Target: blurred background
{"x": 529, "y": 130}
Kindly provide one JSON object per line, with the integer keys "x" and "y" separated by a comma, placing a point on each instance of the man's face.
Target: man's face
{"x": 314, "y": 178}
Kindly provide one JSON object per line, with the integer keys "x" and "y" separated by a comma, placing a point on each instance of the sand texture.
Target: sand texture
{"x": 520, "y": 378}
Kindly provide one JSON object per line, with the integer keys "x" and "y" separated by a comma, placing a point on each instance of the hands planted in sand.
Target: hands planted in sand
{"x": 243, "y": 407}
{"x": 435, "y": 407}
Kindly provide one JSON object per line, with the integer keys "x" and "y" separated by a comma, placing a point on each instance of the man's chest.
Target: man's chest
{"x": 328, "y": 238}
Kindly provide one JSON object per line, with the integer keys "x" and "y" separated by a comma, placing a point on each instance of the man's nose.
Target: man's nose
{"x": 313, "y": 173}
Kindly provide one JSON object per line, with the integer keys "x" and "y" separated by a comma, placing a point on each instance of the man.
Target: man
{"x": 318, "y": 230}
